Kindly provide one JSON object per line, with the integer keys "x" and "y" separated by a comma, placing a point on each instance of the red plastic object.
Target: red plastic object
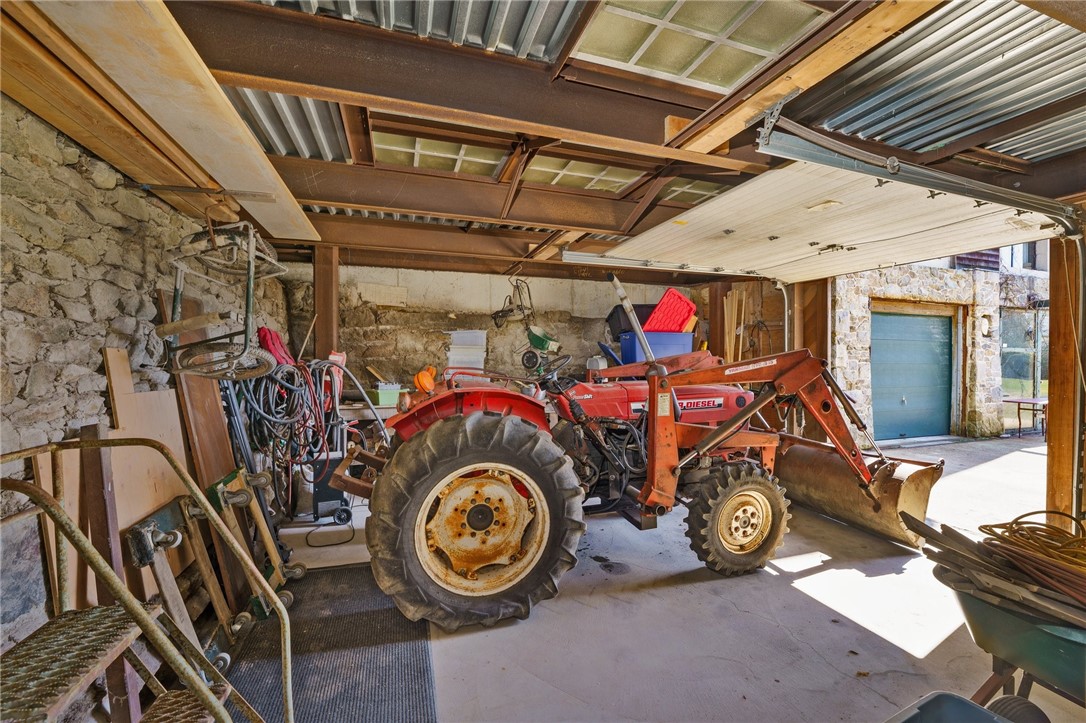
{"x": 271, "y": 342}
{"x": 672, "y": 313}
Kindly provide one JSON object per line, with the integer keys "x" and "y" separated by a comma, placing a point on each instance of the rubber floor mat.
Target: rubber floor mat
{"x": 356, "y": 658}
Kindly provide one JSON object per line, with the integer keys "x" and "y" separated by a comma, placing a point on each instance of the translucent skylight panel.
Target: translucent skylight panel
{"x": 710, "y": 44}
{"x": 709, "y": 17}
{"x": 652, "y": 8}
{"x": 552, "y": 171}
{"x": 684, "y": 190}
{"x": 725, "y": 66}
{"x": 774, "y": 24}
{"x": 615, "y": 36}
{"x": 437, "y": 155}
{"x": 672, "y": 52}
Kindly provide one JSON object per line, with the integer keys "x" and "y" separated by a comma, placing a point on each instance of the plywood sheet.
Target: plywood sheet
{"x": 144, "y": 480}
{"x": 209, "y": 439}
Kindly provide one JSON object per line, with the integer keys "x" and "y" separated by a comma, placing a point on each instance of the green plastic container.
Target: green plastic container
{"x": 384, "y": 396}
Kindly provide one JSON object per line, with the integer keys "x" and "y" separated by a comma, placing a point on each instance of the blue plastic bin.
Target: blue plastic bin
{"x": 662, "y": 344}
{"x": 943, "y": 707}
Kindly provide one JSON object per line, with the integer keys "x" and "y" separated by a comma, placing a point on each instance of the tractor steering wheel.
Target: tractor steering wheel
{"x": 549, "y": 371}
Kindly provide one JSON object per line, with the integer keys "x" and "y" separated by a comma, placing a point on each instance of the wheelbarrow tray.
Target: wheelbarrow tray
{"x": 1051, "y": 652}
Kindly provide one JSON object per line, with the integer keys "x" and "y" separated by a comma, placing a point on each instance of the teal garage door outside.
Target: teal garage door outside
{"x": 911, "y": 370}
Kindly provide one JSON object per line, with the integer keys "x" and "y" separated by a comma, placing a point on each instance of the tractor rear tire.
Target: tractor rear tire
{"x": 737, "y": 518}
{"x": 449, "y": 491}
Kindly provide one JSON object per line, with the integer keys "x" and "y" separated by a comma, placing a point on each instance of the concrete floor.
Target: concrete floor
{"x": 841, "y": 626}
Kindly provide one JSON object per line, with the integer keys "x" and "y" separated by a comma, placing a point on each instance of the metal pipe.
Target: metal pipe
{"x": 60, "y": 546}
{"x": 116, "y": 586}
{"x": 722, "y": 432}
{"x": 213, "y": 519}
{"x": 21, "y": 515}
{"x": 635, "y": 323}
{"x": 1079, "y": 448}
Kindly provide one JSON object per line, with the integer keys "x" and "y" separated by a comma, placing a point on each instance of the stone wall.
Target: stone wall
{"x": 396, "y": 320}
{"x": 980, "y": 293}
{"x": 82, "y": 256}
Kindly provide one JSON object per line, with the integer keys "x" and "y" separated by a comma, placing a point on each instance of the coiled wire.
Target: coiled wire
{"x": 1051, "y": 555}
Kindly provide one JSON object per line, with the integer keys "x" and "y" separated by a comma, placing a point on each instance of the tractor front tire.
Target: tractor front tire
{"x": 737, "y": 518}
{"x": 474, "y": 520}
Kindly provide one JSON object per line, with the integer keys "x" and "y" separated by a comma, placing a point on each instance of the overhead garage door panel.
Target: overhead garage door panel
{"x": 805, "y": 221}
{"x": 911, "y": 375}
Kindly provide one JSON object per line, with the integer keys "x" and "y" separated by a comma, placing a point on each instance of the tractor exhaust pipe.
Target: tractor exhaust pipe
{"x": 816, "y": 476}
{"x": 635, "y": 324}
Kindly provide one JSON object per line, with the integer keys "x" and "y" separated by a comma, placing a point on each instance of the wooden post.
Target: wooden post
{"x": 122, "y": 682}
{"x": 717, "y": 333}
{"x": 811, "y": 317}
{"x": 1065, "y": 422}
{"x": 326, "y": 300}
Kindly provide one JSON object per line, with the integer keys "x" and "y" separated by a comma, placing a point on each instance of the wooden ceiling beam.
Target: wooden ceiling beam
{"x": 346, "y": 62}
{"x": 821, "y": 57}
{"x": 323, "y": 183}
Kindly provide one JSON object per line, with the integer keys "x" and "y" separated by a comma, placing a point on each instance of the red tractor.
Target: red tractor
{"x": 478, "y": 511}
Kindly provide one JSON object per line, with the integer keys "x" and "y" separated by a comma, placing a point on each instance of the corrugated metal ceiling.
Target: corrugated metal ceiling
{"x": 532, "y": 29}
{"x": 1056, "y": 137}
{"x": 964, "y": 68}
{"x": 290, "y": 126}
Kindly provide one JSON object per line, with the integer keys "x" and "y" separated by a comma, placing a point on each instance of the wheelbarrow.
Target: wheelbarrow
{"x": 1048, "y": 653}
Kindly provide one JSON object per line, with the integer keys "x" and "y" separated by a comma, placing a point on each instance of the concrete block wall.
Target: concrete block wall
{"x": 395, "y": 320}
{"x": 82, "y": 256}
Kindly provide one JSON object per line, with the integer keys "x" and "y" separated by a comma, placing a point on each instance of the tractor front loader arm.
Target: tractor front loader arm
{"x": 796, "y": 374}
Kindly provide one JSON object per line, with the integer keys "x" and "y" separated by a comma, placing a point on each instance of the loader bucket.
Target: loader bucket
{"x": 816, "y": 476}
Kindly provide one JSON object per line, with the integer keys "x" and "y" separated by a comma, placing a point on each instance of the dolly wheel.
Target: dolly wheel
{"x": 738, "y": 518}
{"x": 241, "y": 621}
{"x": 286, "y": 597}
{"x": 221, "y": 661}
{"x": 295, "y": 570}
{"x": 474, "y": 520}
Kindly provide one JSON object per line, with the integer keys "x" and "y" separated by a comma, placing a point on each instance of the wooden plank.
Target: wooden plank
{"x": 209, "y": 439}
{"x": 198, "y": 548}
{"x": 172, "y": 601}
{"x": 1063, "y": 379}
{"x": 326, "y": 300}
{"x": 38, "y": 80}
{"x": 881, "y": 23}
{"x": 118, "y": 377}
{"x": 34, "y": 22}
{"x": 122, "y": 683}
{"x": 718, "y": 291}
{"x": 163, "y": 67}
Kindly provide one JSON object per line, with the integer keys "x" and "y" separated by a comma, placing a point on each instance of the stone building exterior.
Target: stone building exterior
{"x": 975, "y": 298}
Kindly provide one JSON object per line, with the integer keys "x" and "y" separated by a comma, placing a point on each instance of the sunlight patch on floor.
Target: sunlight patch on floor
{"x": 910, "y": 609}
